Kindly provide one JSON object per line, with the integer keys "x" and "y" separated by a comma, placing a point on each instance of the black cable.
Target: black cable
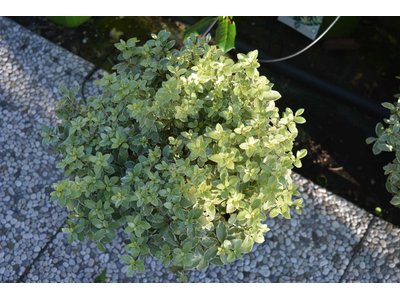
{"x": 105, "y": 57}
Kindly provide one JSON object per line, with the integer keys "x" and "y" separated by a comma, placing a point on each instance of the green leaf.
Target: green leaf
{"x": 100, "y": 184}
{"x": 137, "y": 169}
{"x": 73, "y": 21}
{"x": 302, "y": 153}
{"x": 102, "y": 277}
{"x": 217, "y": 262}
{"x": 299, "y": 112}
{"x": 259, "y": 238}
{"x": 286, "y": 214}
{"x": 90, "y": 204}
{"x": 166, "y": 151}
{"x": 226, "y": 32}
{"x": 376, "y": 149}
{"x": 250, "y": 72}
{"x": 385, "y": 147}
{"x": 216, "y": 157}
{"x": 187, "y": 246}
{"x": 73, "y": 91}
{"x": 388, "y": 105}
{"x": 256, "y": 203}
{"x": 299, "y": 120}
{"x": 99, "y": 234}
{"x": 379, "y": 129}
{"x": 100, "y": 247}
{"x": 127, "y": 259}
{"x": 196, "y": 213}
{"x": 274, "y": 213}
{"x": 271, "y": 96}
{"x": 242, "y": 215}
{"x": 203, "y": 264}
{"x": 198, "y": 28}
{"x": 130, "y": 271}
{"x": 211, "y": 253}
{"x": 221, "y": 232}
{"x": 395, "y": 201}
{"x": 140, "y": 266}
{"x": 62, "y": 88}
{"x": 97, "y": 223}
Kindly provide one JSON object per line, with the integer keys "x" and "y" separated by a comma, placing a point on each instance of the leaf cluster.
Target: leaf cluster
{"x": 388, "y": 140}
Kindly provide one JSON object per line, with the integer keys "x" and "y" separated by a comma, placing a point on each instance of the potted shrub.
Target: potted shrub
{"x": 184, "y": 149}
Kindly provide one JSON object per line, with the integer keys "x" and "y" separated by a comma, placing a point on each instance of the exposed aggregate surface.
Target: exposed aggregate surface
{"x": 329, "y": 242}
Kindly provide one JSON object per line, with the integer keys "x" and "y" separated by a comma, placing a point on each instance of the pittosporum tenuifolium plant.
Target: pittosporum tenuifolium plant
{"x": 184, "y": 149}
{"x": 388, "y": 139}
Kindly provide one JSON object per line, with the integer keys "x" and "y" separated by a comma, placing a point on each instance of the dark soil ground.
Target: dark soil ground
{"x": 361, "y": 56}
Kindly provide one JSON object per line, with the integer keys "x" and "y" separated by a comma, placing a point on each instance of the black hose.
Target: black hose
{"x": 318, "y": 84}
{"x": 94, "y": 69}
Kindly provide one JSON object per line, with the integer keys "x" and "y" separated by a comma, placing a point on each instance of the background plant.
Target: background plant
{"x": 225, "y": 33}
{"x": 184, "y": 149}
{"x": 72, "y": 21}
{"x": 388, "y": 139}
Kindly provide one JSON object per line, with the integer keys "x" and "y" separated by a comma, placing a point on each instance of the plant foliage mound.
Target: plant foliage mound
{"x": 388, "y": 139}
{"x": 185, "y": 150}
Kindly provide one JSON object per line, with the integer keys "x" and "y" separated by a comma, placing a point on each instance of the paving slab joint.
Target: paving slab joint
{"x": 357, "y": 248}
{"x": 23, "y": 276}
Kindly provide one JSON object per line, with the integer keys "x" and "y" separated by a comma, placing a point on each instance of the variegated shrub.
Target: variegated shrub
{"x": 185, "y": 149}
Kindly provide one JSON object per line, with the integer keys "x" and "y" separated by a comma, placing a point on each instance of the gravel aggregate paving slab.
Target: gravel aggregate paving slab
{"x": 325, "y": 244}
{"x": 30, "y": 70}
{"x": 378, "y": 259}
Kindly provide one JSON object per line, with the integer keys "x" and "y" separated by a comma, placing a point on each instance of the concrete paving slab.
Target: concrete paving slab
{"x": 378, "y": 259}
{"x": 321, "y": 245}
{"x": 30, "y": 70}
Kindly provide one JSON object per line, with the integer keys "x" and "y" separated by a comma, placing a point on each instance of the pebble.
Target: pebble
{"x": 323, "y": 263}
{"x": 335, "y": 224}
{"x": 380, "y": 262}
{"x": 253, "y": 264}
{"x": 27, "y": 235}
{"x": 265, "y": 272}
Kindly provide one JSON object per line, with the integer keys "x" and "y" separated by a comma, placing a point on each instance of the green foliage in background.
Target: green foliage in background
{"x": 184, "y": 150}
{"x": 198, "y": 28}
{"x": 388, "y": 139}
{"x": 73, "y": 21}
{"x": 225, "y": 33}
